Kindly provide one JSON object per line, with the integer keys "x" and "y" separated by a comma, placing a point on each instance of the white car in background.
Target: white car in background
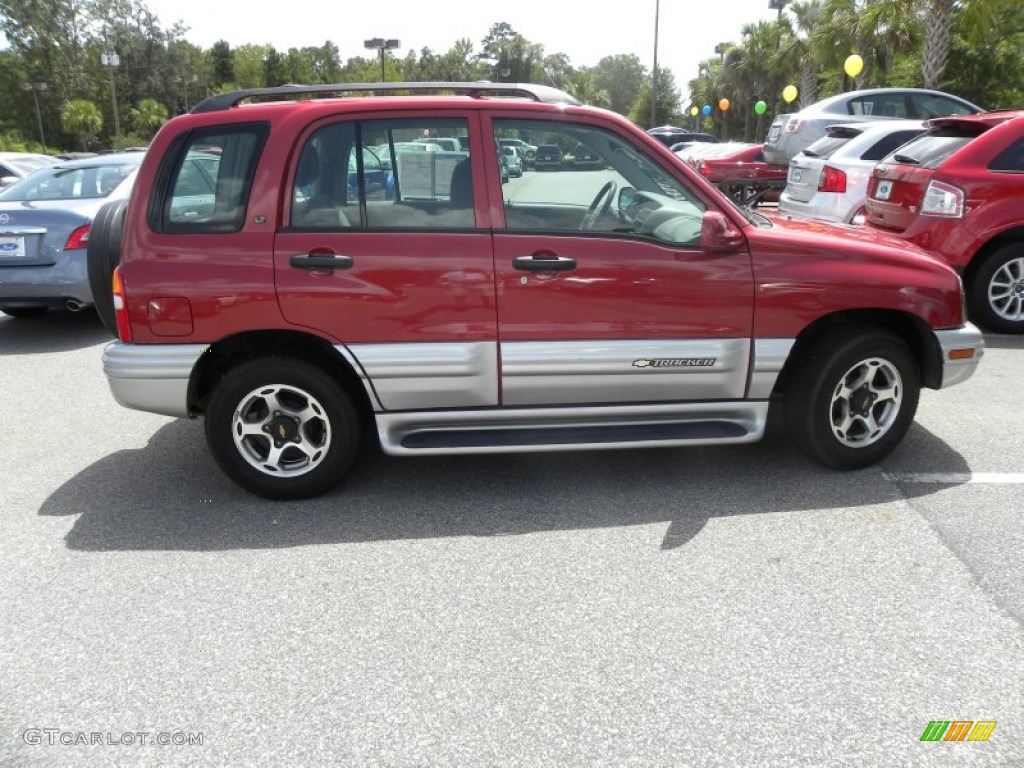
{"x": 829, "y": 179}
{"x": 15, "y": 166}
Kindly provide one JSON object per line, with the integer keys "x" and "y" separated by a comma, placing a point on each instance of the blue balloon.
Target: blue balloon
{"x": 706, "y": 110}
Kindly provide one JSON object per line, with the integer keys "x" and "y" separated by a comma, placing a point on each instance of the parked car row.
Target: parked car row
{"x": 953, "y": 186}
{"x": 790, "y": 133}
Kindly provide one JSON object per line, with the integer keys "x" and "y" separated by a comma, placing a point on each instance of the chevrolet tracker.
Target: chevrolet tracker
{"x": 299, "y": 269}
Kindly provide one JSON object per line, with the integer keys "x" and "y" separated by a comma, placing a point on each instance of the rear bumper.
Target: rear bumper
{"x": 957, "y": 368}
{"x": 46, "y": 285}
{"x": 151, "y": 377}
{"x": 827, "y": 207}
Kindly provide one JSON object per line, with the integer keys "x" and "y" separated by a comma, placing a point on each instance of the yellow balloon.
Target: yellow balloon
{"x": 789, "y": 93}
{"x": 694, "y": 111}
{"x": 724, "y": 105}
{"x": 854, "y": 65}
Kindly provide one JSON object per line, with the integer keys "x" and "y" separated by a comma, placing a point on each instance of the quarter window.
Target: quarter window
{"x": 211, "y": 180}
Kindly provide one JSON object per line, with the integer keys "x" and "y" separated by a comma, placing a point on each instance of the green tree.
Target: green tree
{"x": 511, "y": 57}
{"x": 248, "y": 65}
{"x": 222, "y": 64}
{"x": 82, "y": 118}
{"x": 620, "y": 77}
{"x": 667, "y": 109}
{"x": 275, "y": 70}
{"x": 583, "y": 84}
{"x": 148, "y": 116}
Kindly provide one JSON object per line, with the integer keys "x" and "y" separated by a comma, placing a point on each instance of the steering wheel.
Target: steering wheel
{"x": 601, "y": 205}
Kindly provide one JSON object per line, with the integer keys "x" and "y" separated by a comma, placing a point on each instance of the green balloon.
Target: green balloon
{"x": 760, "y": 107}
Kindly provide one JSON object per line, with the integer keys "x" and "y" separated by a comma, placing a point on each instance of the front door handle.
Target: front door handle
{"x": 544, "y": 262}
{"x": 321, "y": 261}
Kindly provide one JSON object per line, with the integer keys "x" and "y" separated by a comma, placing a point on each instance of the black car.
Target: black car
{"x": 585, "y": 157}
{"x": 669, "y": 135}
{"x": 549, "y": 157}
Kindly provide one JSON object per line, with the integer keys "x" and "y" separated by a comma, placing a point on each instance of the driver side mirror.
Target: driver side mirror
{"x": 718, "y": 234}
{"x": 627, "y": 196}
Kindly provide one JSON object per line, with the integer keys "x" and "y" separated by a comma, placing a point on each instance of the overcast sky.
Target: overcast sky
{"x": 688, "y": 31}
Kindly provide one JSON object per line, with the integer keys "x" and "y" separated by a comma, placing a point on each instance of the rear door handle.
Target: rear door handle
{"x": 321, "y": 261}
{"x": 544, "y": 262}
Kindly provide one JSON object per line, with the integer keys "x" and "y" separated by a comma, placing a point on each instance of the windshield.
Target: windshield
{"x": 61, "y": 183}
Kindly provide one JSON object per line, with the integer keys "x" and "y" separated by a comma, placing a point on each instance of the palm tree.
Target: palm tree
{"x": 808, "y": 16}
{"x": 980, "y": 19}
{"x": 886, "y": 28}
{"x": 149, "y": 115}
{"x": 83, "y": 119}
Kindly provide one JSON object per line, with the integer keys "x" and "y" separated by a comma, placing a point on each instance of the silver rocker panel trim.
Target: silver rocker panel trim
{"x": 394, "y": 428}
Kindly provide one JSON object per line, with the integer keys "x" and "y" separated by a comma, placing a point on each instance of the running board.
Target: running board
{"x": 557, "y": 429}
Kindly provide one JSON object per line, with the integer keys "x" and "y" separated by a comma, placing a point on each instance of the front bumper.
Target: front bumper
{"x": 151, "y": 377}
{"x": 958, "y": 364}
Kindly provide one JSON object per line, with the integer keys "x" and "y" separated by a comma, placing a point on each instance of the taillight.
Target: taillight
{"x": 703, "y": 169}
{"x": 793, "y": 125}
{"x": 832, "y": 180}
{"x": 124, "y": 330}
{"x": 79, "y": 238}
{"x": 941, "y": 199}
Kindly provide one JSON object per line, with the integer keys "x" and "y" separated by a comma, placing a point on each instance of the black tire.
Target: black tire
{"x": 995, "y": 297}
{"x": 102, "y": 255}
{"x": 329, "y": 438}
{"x": 877, "y": 363}
{"x": 22, "y": 312}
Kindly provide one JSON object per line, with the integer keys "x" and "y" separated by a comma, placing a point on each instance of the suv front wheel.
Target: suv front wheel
{"x": 852, "y": 397}
{"x": 282, "y": 428}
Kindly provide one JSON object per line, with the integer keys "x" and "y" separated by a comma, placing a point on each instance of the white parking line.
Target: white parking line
{"x": 955, "y": 478}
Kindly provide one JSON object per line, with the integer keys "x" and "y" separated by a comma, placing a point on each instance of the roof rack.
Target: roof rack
{"x": 480, "y": 89}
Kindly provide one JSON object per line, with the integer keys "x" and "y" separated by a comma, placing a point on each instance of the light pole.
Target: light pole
{"x": 654, "y": 70}
{"x": 112, "y": 60}
{"x": 36, "y": 88}
{"x": 381, "y": 44}
{"x": 185, "y": 80}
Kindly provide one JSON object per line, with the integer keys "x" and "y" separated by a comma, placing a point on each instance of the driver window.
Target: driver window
{"x": 573, "y": 177}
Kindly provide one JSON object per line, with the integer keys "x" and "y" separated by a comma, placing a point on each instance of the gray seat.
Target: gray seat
{"x": 461, "y": 191}
{"x": 312, "y": 209}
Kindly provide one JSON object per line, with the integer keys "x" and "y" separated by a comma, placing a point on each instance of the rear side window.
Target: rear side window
{"x": 384, "y": 174}
{"x": 927, "y": 105}
{"x": 1010, "y": 159}
{"x": 879, "y": 105}
{"x": 928, "y": 151}
{"x": 889, "y": 143}
{"x": 209, "y": 184}
{"x": 826, "y": 146}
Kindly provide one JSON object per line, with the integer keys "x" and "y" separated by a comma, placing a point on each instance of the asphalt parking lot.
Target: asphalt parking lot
{"x": 731, "y": 606}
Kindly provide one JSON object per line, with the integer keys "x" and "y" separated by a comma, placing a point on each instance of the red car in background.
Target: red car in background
{"x": 958, "y": 192}
{"x": 741, "y": 171}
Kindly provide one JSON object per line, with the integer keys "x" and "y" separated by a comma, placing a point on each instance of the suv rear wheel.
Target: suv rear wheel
{"x": 103, "y": 254}
{"x": 852, "y": 398}
{"x": 282, "y": 428}
{"x": 997, "y": 291}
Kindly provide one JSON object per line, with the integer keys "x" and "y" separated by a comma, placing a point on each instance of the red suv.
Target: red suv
{"x": 958, "y": 192}
{"x": 292, "y": 303}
